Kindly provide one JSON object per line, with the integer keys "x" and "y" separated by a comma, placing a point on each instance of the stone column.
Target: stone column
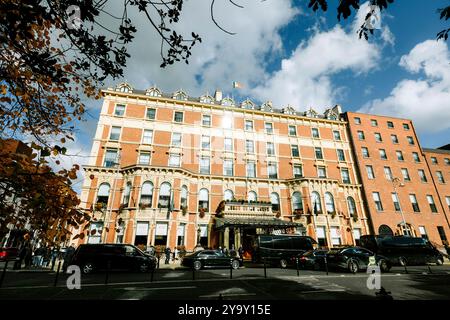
{"x": 226, "y": 237}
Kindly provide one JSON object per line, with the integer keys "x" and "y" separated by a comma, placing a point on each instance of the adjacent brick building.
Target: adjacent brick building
{"x": 161, "y": 164}
{"x": 400, "y": 189}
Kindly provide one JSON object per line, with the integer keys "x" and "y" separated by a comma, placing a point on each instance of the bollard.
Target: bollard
{"x": 108, "y": 267}
{"x": 326, "y": 264}
{"x": 4, "y": 272}
{"x": 151, "y": 274}
{"x": 159, "y": 257}
{"x": 193, "y": 273}
{"x": 57, "y": 274}
{"x": 298, "y": 271}
{"x": 231, "y": 270}
{"x": 429, "y": 269}
{"x": 265, "y": 269}
{"x": 406, "y": 270}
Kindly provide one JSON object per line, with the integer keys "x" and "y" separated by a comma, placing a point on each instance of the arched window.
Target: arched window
{"x": 184, "y": 197}
{"x": 316, "y": 204}
{"x": 275, "y": 200}
{"x": 351, "y": 207}
{"x": 126, "y": 194}
{"x": 203, "y": 199}
{"x": 146, "y": 194}
{"x": 103, "y": 193}
{"x": 228, "y": 195}
{"x": 180, "y": 95}
{"x": 153, "y": 92}
{"x": 297, "y": 203}
{"x": 252, "y": 196}
{"x": 228, "y": 102}
{"x": 247, "y": 104}
{"x": 329, "y": 202}
{"x": 206, "y": 99}
{"x": 164, "y": 195}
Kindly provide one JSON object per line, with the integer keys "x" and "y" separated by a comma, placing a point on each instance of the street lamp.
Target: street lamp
{"x": 396, "y": 182}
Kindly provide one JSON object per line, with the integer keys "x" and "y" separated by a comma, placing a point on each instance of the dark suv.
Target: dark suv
{"x": 96, "y": 257}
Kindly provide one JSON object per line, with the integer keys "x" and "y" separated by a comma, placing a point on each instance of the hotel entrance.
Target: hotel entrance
{"x": 239, "y": 224}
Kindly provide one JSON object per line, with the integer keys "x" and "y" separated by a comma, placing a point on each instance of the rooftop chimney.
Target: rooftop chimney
{"x": 218, "y": 95}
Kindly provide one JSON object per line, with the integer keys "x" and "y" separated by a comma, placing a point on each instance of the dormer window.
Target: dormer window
{"x": 180, "y": 95}
{"x": 267, "y": 106}
{"x": 206, "y": 99}
{"x": 289, "y": 110}
{"x": 228, "y": 102}
{"x": 247, "y": 104}
{"x": 124, "y": 87}
{"x": 153, "y": 92}
{"x": 311, "y": 113}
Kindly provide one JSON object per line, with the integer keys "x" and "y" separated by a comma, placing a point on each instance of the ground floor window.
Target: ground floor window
{"x": 95, "y": 232}
{"x": 423, "y": 232}
{"x": 204, "y": 235}
{"x": 357, "y": 236}
{"x": 442, "y": 235}
{"x": 141, "y": 237}
{"x": 335, "y": 233}
{"x": 161, "y": 234}
{"x": 321, "y": 236}
{"x": 120, "y": 233}
{"x": 180, "y": 234}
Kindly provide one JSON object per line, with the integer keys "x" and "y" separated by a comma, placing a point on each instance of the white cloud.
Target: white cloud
{"x": 220, "y": 58}
{"x": 425, "y": 100}
{"x": 304, "y": 79}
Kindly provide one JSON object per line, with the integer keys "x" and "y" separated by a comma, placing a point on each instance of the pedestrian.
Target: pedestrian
{"x": 232, "y": 251}
{"x": 54, "y": 256}
{"x": 175, "y": 254}
{"x": 167, "y": 253}
{"x": 22, "y": 254}
{"x": 28, "y": 255}
{"x": 241, "y": 252}
{"x": 225, "y": 251}
{"x": 68, "y": 256}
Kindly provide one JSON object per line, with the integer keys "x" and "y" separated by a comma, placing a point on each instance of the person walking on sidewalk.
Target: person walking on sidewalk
{"x": 167, "y": 253}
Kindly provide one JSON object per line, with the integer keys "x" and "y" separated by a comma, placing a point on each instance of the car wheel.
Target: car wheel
{"x": 87, "y": 268}
{"x": 402, "y": 261}
{"x": 353, "y": 266}
{"x": 235, "y": 264}
{"x": 384, "y": 266}
{"x": 197, "y": 265}
{"x": 283, "y": 263}
{"x": 439, "y": 261}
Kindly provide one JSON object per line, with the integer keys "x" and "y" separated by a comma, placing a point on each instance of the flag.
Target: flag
{"x": 237, "y": 85}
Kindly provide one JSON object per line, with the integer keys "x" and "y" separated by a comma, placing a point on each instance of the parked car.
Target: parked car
{"x": 312, "y": 259}
{"x": 355, "y": 259}
{"x": 8, "y": 254}
{"x": 96, "y": 257}
{"x": 280, "y": 249}
{"x": 403, "y": 250}
{"x": 210, "y": 258}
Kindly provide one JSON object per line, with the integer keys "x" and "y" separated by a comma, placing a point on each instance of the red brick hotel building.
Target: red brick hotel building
{"x": 172, "y": 170}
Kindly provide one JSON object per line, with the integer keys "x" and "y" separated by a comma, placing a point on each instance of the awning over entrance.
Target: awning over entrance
{"x": 274, "y": 223}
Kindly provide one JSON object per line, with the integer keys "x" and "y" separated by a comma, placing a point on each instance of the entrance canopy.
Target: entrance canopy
{"x": 222, "y": 223}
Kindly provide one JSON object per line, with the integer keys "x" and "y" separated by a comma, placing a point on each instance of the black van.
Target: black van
{"x": 403, "y": 250}
{"x": 280, "y": 249}
{"x": 96, "y": 257}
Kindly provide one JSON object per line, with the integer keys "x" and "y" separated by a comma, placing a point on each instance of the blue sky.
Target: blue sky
{"x": 288, "y": 54}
